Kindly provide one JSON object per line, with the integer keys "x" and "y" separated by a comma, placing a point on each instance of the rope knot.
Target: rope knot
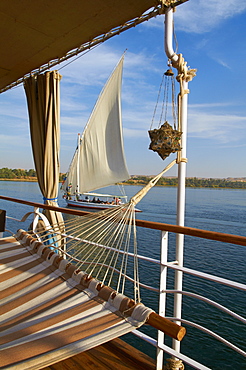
{"x": 174, "y": 364}
{"x": 184, "y": 72}
{"x": 179, "y": 160}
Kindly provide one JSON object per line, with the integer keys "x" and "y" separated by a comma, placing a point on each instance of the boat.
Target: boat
{"x": 50, "y": 320}
{"x": 99, "y": 159}
{"x": 94, "y": 200}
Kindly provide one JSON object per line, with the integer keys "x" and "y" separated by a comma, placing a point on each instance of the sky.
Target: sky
{"x": 211, "y": 35}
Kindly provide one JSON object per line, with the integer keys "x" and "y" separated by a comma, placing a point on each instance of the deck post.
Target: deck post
{"x": 35, "y": 218}
{"x": 178, "y": 282}
{"x": 185, "y": 74}
{"x": 2, "y": 221}
{"x": 162, "y": 296}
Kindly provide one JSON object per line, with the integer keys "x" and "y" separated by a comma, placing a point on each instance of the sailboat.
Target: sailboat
{"x": 99, "y": 158}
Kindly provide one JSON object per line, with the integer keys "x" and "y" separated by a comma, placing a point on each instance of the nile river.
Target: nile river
{"x": 222, "y": 210}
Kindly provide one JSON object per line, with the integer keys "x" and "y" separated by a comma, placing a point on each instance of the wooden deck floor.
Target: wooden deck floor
{"x": 114, "y": 355}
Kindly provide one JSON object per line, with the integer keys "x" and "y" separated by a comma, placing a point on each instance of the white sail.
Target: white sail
{"x": 99, "y": 159}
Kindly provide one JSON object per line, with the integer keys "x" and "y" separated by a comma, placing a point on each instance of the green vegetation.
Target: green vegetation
{"x": 193, "y": 182}
{"x": 19, "y": 174}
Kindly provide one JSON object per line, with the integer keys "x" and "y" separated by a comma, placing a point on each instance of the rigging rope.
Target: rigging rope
{"x": 99, "y": 245}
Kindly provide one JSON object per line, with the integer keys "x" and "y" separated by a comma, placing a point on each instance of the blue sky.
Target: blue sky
{"x": 211, "y": 36}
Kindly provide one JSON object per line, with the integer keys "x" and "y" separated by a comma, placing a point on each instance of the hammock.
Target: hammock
{"x": 50, "y": 312}
{"x": 56, "y": 303}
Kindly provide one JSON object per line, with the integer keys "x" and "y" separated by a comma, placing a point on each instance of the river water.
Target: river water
{"x": 222, "y": 210}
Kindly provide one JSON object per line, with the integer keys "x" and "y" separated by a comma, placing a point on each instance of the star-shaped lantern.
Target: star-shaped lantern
{"x": 165, "y": 140}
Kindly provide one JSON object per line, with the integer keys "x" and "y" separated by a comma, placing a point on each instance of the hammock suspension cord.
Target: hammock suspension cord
{"x": 165, "y": 102}
{"x": 103, "y": 244}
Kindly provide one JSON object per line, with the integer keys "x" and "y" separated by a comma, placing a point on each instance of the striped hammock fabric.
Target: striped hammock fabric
{"x": 50, "y": 311}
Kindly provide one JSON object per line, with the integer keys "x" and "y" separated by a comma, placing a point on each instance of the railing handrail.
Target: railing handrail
{"x": 199, "y": 233}
{"x": 228, "y": 238}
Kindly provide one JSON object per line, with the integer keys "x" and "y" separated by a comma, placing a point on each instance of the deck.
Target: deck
{"x": 115, "y": 354}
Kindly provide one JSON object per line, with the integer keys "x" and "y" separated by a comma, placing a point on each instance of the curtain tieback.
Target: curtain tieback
{"x": 44, "y": 198}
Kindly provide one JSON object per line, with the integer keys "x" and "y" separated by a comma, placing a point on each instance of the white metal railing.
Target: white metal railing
{"x": 163, "y": 291}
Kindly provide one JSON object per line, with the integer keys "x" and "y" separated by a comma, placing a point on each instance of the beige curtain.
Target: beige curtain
{"x": 43, "y": 98}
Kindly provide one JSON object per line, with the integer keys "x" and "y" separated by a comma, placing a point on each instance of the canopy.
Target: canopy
{"x": 33, "y": 33}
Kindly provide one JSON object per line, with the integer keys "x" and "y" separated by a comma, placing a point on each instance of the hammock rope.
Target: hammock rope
{"x": 103, "y": 244}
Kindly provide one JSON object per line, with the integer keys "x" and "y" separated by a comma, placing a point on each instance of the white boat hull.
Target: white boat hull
{"x": 91, "y": 205}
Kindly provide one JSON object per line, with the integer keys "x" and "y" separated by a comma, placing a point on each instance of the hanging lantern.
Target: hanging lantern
{"x": 165, "y": 140}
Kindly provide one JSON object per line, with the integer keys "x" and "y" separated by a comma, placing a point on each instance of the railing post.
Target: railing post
{"x": 35, "y": 218}
{"x": 181, "y": 210}
{"x": 2, "y": 222}
{"x": 185, "y": 74}
{"x": 162, "y": 296}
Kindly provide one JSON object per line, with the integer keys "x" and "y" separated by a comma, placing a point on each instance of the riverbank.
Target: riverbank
{"x": 29, "y": 179}
{"x": 191, "y": 182}
{"x": 7, "y": 174}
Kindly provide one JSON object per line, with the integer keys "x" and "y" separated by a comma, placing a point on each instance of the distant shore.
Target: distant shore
{"x": 30, "y": 179}
{"x": 191, "y": 182}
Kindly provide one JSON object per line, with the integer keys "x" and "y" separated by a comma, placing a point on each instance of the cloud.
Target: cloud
{"x": 221, "y": 62}
{"x": 205, "y": 121}
{"x": 7, "y": 140}
{"x": 221, "y": 128}
{"x": 95, "y": 67}
{"x": 201, "y": 16}
{"x": 211, "y": 105}
{"x": 84, "y": 79}
{"x": 134, "y": 133}
{"x": 206, "y": 15}
{"x": 75, "y": 122}
{"x": 16, "y": 100}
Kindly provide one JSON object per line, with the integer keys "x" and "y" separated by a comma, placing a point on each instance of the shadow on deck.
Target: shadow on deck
{"x": 113, "y": 355}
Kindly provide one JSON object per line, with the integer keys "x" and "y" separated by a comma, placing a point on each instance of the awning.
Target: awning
{"x": 34, "y": 33}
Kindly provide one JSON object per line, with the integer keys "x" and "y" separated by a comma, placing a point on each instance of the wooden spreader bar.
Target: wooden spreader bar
{"x": 158, "y": 322}
{"x": 168, "y": 327}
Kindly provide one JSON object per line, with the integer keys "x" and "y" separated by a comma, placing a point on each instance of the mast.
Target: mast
{"x": 78, "y": 166}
